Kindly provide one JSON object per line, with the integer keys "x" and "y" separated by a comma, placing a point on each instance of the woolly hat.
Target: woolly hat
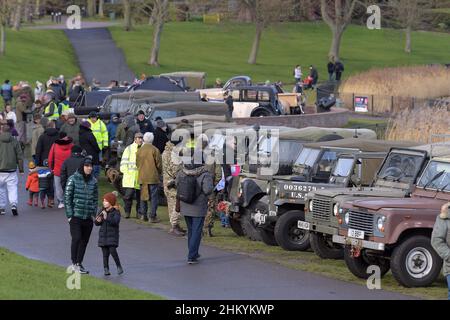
{"x": 76, "y": 149}
{"x": 111, "y": 198}
{"x": 160, "y": 124}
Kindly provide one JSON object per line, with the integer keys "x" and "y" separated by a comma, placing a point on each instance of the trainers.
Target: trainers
{"x": 106, "y": 272}
{"x": 119, "y": 270}
{"x": 2, "y": 212}
{"x": 82, "y": 269}
{"x": 50, "y": 203}
{"x": 14, "y": 210}
{"x": 192, "y": 261}
{"x": 154, "y": 220}
{"x": 144, "y": 218}
{"x": 61, "y": 205}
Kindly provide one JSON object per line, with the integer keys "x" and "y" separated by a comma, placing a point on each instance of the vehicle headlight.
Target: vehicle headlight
{"x": 347, "y": 218}
{"x": 335, "y": 209}
{"x": 268, "y": 190}
{"x": 380, "y": 223}
{"x": 276, "y": 192}
{"x": 310, "y": 206}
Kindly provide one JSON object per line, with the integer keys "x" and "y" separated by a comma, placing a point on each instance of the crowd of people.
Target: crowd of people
{"x": 66, "y": 157}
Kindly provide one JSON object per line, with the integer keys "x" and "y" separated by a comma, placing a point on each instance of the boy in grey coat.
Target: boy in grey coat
{"x": 440, "y": 240}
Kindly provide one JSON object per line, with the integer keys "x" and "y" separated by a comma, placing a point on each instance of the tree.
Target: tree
{"x": 337, "y": 14}
{"x": 127, "y": 14}
{"x": 18, "y": 15}
{"x": 160, "y": 8}
{"x": 100, "y": 8}
{"x": 6, "y": 8}
{"x": 263, "y": 13}
{"x": 91, "y": 4}
{"x": 409, "y": 14}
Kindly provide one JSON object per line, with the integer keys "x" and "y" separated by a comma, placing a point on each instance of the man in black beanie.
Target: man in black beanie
{"x": 71, "y": 164}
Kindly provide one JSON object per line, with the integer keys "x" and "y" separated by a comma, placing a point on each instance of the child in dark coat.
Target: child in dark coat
{"x": 109, "y": 219}
{"x": 45, "y": 177}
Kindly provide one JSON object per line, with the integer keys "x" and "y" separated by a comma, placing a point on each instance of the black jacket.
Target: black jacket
{"x": 330, "y": 67}
{"x": 44, "y": 144}
{"x": 160, "y": 139}
{"x": 69, "y": 167}
{"x": 89, "y": 144}
{"x": 108, "y": 235}
{"x": 75, "y": 93}
{"x": 145, "y": 126}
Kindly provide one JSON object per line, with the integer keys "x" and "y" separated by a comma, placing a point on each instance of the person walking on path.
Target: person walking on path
{"x": 46, "y": 185}
{"x": 11, "y": 157}
{"x": 72, "y": 128}
{"x": 59, "y": 152}
{"x": 32, "y": 185}
{"x": 100, "y": 132}
{"x": 45, "y": 142}
{"x": 170, "y": 169}
{"x": 440, "y": 240}
{"x": 161, "y": 135}
{"x": 71, "y": 165}
{"x": 194, "y": 185}
{"x": 331, "y": 68}
{"x": 148, "y": 162}
{"x": 130, "y": 181}
{"x": 108, "y": 238}
{"x": 339, "y": 68}
{"x": 81, "y": 202}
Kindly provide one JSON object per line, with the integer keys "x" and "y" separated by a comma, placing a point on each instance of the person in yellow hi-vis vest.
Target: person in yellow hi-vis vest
{"x": 51, "y": 108}
{"x": 130, "y": 181}
{"x": 100, "y": 132}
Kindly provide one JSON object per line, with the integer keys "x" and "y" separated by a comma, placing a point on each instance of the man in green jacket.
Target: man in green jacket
{"x": 440, "y": 240}
{"x": 81, "y": 202}
{"x": 11, "y": 157}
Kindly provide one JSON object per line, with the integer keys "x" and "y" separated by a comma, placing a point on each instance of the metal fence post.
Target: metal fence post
{"x": 392, "y": 104}
{"x": 353, "y": 101}
{"x": 372, "y": 105}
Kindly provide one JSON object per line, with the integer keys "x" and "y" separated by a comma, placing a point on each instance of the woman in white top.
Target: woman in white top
{"x": 9, "y": 114}
{"x": 298, "y": 74}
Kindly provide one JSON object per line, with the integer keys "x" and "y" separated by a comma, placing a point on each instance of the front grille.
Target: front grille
{"x": 321, "y": 209}
{"x": 361, "y": 221}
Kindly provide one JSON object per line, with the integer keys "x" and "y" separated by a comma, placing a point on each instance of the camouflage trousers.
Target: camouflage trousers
{"x": 211, "y": 215}
{"x": 171, "y": 195}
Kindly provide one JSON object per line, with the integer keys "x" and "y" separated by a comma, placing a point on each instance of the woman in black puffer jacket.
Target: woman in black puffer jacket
{"x": 108, "y": 220}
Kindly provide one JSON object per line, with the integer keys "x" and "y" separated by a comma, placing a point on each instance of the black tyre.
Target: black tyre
{"x": 248, "y": 227}
{"x": 358, "y": 266}
{"x": 287, "y": 233}
{"x": 267, "y": 236}
{"x": 414, "y": 262}
{"x": 236, "y": 226}
{"x": 324, "y": 247}
{"x": 261, "y": 112}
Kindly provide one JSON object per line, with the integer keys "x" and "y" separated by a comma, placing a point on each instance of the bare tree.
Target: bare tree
{"x": 160, "y": 16}
{"x": 6, "y": 7}
{"x": 17, "y": 22}
{"x": 91, "y": 4}
{"x": 37, "y": 7}
{"x": 337, "y": 14}
{"x": 101, "y": 14}
{"x": 409, "y": 14}
{"x": 127, "y": 14}
{"x": 263, "y": 13}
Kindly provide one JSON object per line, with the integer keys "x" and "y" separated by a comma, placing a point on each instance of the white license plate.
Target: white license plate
{"x": 352, "y": 233}
{"x": 303, "y": 225}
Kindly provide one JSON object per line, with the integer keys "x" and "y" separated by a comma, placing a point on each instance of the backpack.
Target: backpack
{"x": 187, "y": 189}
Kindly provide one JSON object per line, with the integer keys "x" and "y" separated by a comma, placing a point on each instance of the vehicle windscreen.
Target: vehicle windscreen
{"x": 164, "y": 114}
{"x": 327, "y": 161}
{"x": 436, "y": 176}
{"x": 118, "y": 106}
{"x": 289, "y": 150}
{"x": 401, "y": 167}
{"x": 307, "y": 156}
{"x": 343, "y": 167}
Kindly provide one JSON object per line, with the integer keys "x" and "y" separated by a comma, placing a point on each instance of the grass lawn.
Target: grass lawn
{"x": 36, "y": 55}
{"x": 24, "y": 278}
{"x": 225, "y": 238}
{"x": 222, "y": 50}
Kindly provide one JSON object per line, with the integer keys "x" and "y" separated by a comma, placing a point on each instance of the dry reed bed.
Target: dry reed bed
{"x": 402, "y": 83}
{"x": 419, "y": 124}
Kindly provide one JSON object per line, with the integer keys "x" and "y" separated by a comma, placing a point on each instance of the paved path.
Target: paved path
{"x": 156, "y": 262}
{"x": 97, "y": 54}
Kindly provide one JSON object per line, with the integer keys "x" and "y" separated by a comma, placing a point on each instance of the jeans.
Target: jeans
{"x": 59, "y": 192}
{"x": 153, "y": 191}
{"x": 80, "y": 230}
{"x": 96, "y": 170}
{"x": 8, "y": 182}
{"x": 448, "y": 284}
{"x": 195, "y": 227}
